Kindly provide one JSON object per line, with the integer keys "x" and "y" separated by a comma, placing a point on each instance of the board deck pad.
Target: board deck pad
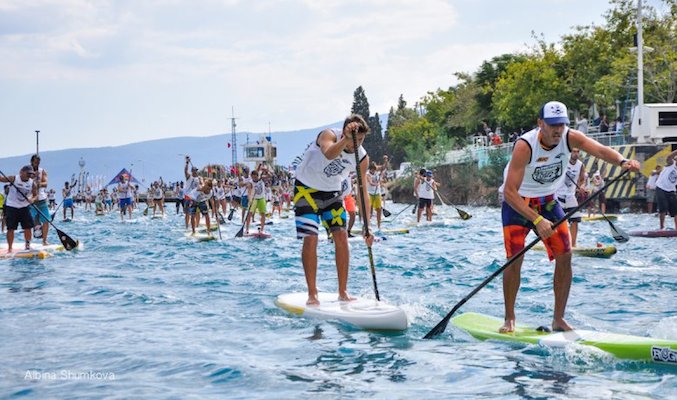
{"x": 20, "y": 253}
{"x": 622, "y": 346}
{"x": 362, "y": 312}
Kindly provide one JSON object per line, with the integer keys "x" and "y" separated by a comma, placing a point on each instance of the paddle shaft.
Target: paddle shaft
{"x": 218, "y": 225}
{"x": 442, "y": 325}
{"x": 67, "y": 241}
{"x": 617, "y": 234}
{"x": 363, "y": 213}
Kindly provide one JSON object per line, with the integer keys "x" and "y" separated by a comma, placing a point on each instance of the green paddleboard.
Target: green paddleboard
{"x": 622, "y": 346}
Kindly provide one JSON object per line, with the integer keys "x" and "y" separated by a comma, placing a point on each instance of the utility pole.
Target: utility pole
{"x": 233, "y": 138}
{"x": 37, "y": 142}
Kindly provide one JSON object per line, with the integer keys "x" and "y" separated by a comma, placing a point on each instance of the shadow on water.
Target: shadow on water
{"x": 528, "y": 380}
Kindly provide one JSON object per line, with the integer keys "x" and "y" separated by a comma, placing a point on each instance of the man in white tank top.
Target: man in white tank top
{"x": 23, "y": 191}
{"x": 318, "y": 198}
{"x": 40, "y": 211}
{"x": 536, "y": 170}
{"x": 666, "y": 195}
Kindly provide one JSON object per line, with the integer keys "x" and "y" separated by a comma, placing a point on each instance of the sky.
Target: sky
{"x": 103, "y": 73}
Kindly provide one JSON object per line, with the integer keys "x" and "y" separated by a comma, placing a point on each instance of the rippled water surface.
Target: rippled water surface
{"x": 144, "y": 312}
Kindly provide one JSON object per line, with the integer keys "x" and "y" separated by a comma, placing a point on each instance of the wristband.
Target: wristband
{"x": 623, "y": 161}
{"x": 538, "y": 220}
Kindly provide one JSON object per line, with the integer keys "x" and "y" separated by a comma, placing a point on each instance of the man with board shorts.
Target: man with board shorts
{"x": 193, "y": 183}
{"x": 424, "y": 189}
{"x": 257, "y": 189}
{"x": 3, "y": 197}
{"x": 535, "y": 171}
{"x": 126, "y": 194}
{"x": 374, "y": 189}
{"x": 40, "y": 227}
{"x": 665, "y": 190}
{"x": 317, "y": 197}
{"x": 568, "y": 191}
{"x": 22, "y": 193}
{"x": 67, "y": 193}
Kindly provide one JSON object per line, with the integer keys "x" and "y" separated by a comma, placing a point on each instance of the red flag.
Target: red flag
{"x": 229, "y": 145}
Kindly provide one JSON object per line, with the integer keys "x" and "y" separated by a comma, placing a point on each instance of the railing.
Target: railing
{"x": 478, "y": 150}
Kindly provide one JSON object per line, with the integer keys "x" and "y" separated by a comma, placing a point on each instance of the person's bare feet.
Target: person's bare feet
{"x": 561, "y": 325}
{"x": 508, "y": 326}
{"x": 345, "y": 297}
{"x": 313, "y": 300}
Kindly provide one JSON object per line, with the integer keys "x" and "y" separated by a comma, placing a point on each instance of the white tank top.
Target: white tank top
{"x": 16, "y": 200}
{"x": 42, "y": 191}
{"x": 425, "y": 189}
{"x": 317, "y": 172}
{"x": 545, "y": 171}
{"x": 123, "y": 191}
{"x": 374, "y": 189}
{"x": 259, "y": 189}
{"x": 573, "y": 174}
{"x": 192, "y": 183}
{"x": 668, "y": 178}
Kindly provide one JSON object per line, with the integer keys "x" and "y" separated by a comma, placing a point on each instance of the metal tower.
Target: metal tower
{"x": 233, "y": 138}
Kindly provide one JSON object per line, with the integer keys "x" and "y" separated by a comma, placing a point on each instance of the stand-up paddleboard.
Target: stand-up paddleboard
{"x": 654, "y": 234}
{"x": 362, "y": 313}
{"x": 67, "y": 220}
{"x": 200, "y": 236}
{"x": 599, "y": 217}
{"x": 50, "y": 248}
{"x": 598, "y": 252}
{"x": 259, "y": 235}
{"x": 16, "y": 253}
{"x": 622, "y": 346}
{"x": 99, "y": 214}
{"x": 157, "y": 217}
{"x": 401, "y": 231}
{"x": 212, "y": 227}
{"x": 423, "y": 223}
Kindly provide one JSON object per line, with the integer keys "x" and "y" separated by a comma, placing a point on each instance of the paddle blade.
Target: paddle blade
{"x": 413, "y": 210}
{"x": 464, "y": 215}
{"x": 68, "y": 242}
{"x": 438, "y": 329}
{"x": 386, "y": 213}
{"x": 145, "y": 212}
{"x": 618, "y": 234}
{"x": 230, "y": 216}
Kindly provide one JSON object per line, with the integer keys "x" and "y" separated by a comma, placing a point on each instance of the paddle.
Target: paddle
{"x": 240, "y": 233}
{"x": 68, "y": 243}
{"x": 363, "y": 214}
{"x": 464, "y": 215}
{"x": 618, "y": 234}
{"x": 386, "y": 213}
{"x": 230, "y": 215}
{"x": 442, "y": 325}
{"x": 401, "y": 211}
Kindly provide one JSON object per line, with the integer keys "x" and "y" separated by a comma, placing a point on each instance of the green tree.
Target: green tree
{"x": 373, "y": 143}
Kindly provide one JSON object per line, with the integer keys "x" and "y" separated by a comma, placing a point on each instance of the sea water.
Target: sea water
{"x": 144, "y": 312}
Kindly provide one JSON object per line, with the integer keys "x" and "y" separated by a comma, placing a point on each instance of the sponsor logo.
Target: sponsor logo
{"x": 334, "y": 168}
{"x": 663, "y": 355}
{"x": 542, "y": 159}
{"x": 547, "y": 173}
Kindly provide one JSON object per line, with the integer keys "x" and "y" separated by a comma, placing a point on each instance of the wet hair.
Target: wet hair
{"x": 35, "y": 157}
{"x": 364, "y": 128}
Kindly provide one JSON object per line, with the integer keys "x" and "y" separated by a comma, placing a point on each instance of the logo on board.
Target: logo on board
{"x": 663, "y": 355}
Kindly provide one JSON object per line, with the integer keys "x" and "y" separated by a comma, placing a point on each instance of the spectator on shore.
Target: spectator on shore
{"x": 618, "y": 127}
{"x": 582, "y": 124}
{"x": 603, "y": 124}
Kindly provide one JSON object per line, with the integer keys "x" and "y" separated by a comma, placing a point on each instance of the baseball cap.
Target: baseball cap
{"x": 28, "y": 169}
{"x": 554, "y": 113}
{"x": 429, "y": 173}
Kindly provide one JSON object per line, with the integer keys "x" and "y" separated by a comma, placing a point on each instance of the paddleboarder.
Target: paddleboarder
{"x": 317, "y": 197}
{"x": 424, "y": 189}
{"x": 665, "y": 190}
{"x": 536, "y": 170}
{"x": 16, "y": 204}
{"x": 67, "y": 193}
{"x": 569, "y": 191}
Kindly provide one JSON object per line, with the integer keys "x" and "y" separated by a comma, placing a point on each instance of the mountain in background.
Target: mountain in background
{"x": 150, "y": 160}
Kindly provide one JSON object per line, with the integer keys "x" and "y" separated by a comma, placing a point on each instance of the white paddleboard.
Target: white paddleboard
{"x": 200, "y": 236}
{"x": 361, "y": 312}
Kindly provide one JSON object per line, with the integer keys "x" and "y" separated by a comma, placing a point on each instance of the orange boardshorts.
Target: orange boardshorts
{"x": 349, "y": 201}
{"x": 516, "y": 227}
